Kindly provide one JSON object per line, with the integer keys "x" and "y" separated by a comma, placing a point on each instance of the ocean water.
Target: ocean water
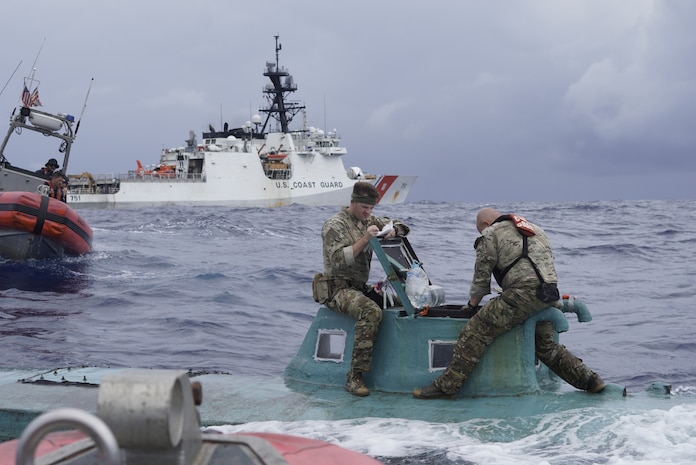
{"x": 213, "y": 288}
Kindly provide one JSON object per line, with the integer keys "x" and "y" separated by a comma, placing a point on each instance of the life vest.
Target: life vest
{"x": 53, "y": 192}
{"x": 526, "y": 230}
{"x": 523, "y": 226}
{"x": 545, "y": 292}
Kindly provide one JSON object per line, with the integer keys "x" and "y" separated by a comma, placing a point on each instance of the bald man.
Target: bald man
{"x": 529, "y": 284}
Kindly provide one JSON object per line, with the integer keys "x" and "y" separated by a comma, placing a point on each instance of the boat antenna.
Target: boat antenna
{"x": 33, "y": 66}
{"x": 8, "y": 81}
{"x": 77, "y": 128}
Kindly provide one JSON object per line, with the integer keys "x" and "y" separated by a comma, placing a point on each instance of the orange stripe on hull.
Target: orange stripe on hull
{"x": 383, "y": 184}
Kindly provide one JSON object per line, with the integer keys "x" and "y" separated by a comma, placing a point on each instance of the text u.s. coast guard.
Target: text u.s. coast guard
{"x": 308, "y": 184}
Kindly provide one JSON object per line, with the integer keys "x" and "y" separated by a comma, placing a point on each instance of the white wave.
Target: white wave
{"x": 583, "y": 436}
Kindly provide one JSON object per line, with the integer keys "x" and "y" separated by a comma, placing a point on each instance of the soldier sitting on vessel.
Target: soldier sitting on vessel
{"x": 47, "y": 170}
{"x": 342, "y": 286}
{"x": 519, "y": 255}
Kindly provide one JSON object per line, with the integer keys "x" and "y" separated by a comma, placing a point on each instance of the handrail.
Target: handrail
{"x": 70, "y": 418}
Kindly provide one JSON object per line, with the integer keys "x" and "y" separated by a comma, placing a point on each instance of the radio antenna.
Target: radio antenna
{"x": 77, "y": 128}
{"x": 33, "y": 66}
{"x": 8, "y": 81}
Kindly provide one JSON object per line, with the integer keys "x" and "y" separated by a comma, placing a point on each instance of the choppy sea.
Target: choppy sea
{"x": 213, "y": 288}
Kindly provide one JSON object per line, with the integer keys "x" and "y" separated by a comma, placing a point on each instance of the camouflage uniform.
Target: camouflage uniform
{"x": 499, "y": 245}
{"x": 347, "y": 277}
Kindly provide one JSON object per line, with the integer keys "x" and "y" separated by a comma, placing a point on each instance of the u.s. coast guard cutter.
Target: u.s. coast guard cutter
{"x": 264, "y": 163}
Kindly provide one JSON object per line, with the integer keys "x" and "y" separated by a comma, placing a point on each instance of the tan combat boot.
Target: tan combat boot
{"x": 431, "y": 392}
{"x": 356, "y": 386}
{"x": 595, "y": 384}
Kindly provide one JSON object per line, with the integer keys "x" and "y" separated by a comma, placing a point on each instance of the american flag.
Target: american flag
{"x": 31, "y": 99}
{"x": 34, "y": 99}
{"x": 26, "y": 97}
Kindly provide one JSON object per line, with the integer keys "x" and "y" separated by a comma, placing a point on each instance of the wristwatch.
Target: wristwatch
{"x": 473, "y": 308}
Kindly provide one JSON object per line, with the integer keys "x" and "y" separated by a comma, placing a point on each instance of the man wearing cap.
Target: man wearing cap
{"x": 347, "y": 256}
{"x": 48, "y": 169}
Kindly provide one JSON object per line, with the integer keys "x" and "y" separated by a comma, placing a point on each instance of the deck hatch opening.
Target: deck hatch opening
{"x": 440, "y": 354}
{"x": 331, "y": 345}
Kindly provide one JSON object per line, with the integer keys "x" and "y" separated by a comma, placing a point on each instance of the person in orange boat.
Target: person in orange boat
{"x": 48, "y": 169}
{"x": 58, "y": 186}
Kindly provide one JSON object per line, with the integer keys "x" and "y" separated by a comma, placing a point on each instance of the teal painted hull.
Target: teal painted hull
{"x": 231, "y": 399}
{"x": 405, "y": 355}
{"x": 412, "y": 349}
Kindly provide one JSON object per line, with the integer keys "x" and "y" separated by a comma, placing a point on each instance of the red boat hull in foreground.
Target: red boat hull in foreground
{"x": 294, "y": 449}
{"x": 148, "y": 416}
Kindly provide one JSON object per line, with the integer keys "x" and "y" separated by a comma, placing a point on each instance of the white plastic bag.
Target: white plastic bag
{"x": 417, "y": 286}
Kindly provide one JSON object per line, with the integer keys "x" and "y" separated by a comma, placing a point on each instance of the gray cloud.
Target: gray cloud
{"x": 531, "y": 100}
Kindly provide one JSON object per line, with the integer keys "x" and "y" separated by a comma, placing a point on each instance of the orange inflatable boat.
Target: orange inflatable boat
{"x": 37, "y": 226}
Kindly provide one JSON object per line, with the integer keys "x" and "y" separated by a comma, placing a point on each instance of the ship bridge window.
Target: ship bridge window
{"x": 440, "y": 354}
{"x": 331, "y": 344}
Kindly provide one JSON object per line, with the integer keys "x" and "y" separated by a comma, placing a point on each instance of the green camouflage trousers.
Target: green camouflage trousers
{"x": 368, "y": 316}
{"x": 499, "y": 315}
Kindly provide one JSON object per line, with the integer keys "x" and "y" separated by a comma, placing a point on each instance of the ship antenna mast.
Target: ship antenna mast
{"x": 277, "y": 49}
{"x": 282, "y": 85}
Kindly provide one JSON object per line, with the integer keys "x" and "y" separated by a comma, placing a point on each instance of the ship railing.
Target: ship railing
{"x": 330, "y": 139}
{"x": 278, "y": 173}
{"x": 102, "y": 189}
{"x": 164, "y": 177}
{"x": 110, "y": 183}
{"x": 87, "y": 183}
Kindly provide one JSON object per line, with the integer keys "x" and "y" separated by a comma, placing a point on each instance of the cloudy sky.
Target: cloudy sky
{"x": 486, "y": 101}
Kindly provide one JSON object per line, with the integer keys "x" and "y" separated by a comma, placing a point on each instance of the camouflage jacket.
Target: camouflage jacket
{"x": 338, "y": 234}
{"x": 499, "y": 245}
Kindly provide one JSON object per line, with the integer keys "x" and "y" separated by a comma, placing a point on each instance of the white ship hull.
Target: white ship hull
{"x": 219, "y": 192}
{"x": 237, "y": 179}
